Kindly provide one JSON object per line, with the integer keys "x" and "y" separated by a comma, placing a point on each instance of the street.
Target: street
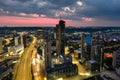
{"x": 24, "y": 66}
{"x": 82, "y": 73}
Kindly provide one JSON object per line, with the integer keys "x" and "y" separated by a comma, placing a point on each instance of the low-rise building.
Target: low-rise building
{"x": 16, "y": 50}
{"x": 62, "y": 70}
{"x": 93, "y": 66}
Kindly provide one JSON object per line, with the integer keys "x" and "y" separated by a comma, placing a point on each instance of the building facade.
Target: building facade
{"x": 62, "y": 70}
{"x": 47, "y": 53}
{"x": 60, "y": 37}
{"x": 16, "y": 39}
{"x": 116, "y": 59}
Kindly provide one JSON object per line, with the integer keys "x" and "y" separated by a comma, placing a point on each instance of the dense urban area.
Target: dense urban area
{"x": 59, "y": 53}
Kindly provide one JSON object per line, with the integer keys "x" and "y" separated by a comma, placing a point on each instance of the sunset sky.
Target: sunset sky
{"x": 47, "y": 12}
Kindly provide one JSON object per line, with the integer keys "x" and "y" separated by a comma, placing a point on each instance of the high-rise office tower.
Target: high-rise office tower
{"x": 55, "y": 32}
{"x": 60, "y": 37}
{"x": 40, "y": 35}
{"x": 16, "y": 39}
{"x": 48, "y": 54}
{"x": 24, "y": 41}
{"x": 88, "y": 42}
{"x": 82, "y": 45}
{"x": 21, "y": 39}
{"x": 99, "y": 55}
{"x": 116, "y": 59}
{"x": 40, "y": 32}
{"x": 1, "y": 49}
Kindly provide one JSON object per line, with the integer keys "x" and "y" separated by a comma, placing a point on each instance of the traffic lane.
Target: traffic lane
{"x": 25, "y": 73}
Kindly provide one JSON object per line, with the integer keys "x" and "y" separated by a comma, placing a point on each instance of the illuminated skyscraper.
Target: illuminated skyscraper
{"x": 88, "y": 42}
{"x": 23, "y": 41}
{"x": 16, "y": 41}
{"x": 82, "y": 45}
{"x": 48, "y": 53}
{"x": 21, "y": 38}
{"x": 60, "y": 37}
{"x": 63, "y": 66}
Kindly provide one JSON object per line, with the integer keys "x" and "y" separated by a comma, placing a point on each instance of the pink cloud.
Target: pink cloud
{"x": 28, "y": 15}
{"x": 87, "y": 19}
{"x": 22, "y": 14}
{"x": 25, "y": 21}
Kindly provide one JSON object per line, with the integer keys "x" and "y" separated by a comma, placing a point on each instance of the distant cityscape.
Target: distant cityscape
{"x": 60, "y": 53}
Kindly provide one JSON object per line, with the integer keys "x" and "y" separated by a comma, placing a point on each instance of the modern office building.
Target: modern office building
{"x": 16, "y": 39}
{"x": 47, "y": 53}
{"x": 98, "y": 55}
{"x": 94, "y": 66}
{"x": 87, "y": 46}
{"x": 40, "y": 35}
{"x": 24, "y": 41}
{"x": 1, "y": 48}
{"x": 82, "y": 45}
{"x": 62, "y": 65}
{"x": 116, "y": 59}
{"x": 60, "y": 38}
{"x": 55, "y": 32}
{"x": 21, "y": 39}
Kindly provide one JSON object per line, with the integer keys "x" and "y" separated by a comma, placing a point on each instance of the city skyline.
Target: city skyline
{"x": 34, "y": 53}
{"x": 47, "y": 12}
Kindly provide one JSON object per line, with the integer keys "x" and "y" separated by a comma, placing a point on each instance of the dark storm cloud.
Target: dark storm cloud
{"x": 22, "y": 0}
{"x": 109, "y": 9}
{"x": 62, "y": 3}
{"x": 69, "y": 9}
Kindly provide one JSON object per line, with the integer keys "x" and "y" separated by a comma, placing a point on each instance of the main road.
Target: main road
{"x": 23, "y": 71}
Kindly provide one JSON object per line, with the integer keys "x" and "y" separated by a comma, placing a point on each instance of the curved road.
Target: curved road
{"x": 24, "y": 67}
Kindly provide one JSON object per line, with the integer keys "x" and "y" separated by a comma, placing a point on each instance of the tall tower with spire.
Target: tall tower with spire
{"x": 60, "y": 37}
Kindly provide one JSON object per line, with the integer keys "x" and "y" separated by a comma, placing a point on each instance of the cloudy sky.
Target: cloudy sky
{"x": 48, "y": 12}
